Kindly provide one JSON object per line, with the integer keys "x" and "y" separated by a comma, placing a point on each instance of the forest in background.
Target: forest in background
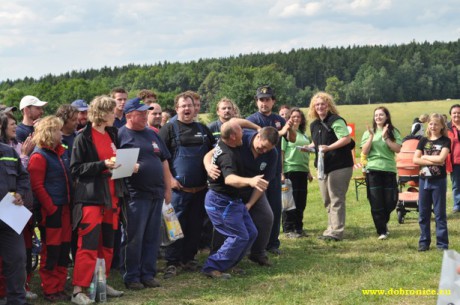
{"x": 353, "y": 75}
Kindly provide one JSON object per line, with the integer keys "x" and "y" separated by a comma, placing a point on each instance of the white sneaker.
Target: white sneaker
{"x": 81, "y": 299}
{"x": 31, "y": 295}
{"x": 383, "y": 236}
{"x": 113, "y": 293}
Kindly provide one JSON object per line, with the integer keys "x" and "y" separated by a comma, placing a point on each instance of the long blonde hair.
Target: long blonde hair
{"x": 44, "y": 131}
{"x": 442, "y": 121}
{"x": 326, "y": 97}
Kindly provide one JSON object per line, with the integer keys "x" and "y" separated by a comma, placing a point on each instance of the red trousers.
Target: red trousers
{"x": 55, "y": 233}
{"x": 95, "y": 240}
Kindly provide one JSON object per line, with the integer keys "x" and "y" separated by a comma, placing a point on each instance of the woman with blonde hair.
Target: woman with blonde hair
{"x": 331, "y": 138}
{"x": 51, "y": 185}
{"x": 97, "y": 196}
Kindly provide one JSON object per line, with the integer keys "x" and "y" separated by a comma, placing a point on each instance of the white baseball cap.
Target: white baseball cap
{"x": 30, "y": 100}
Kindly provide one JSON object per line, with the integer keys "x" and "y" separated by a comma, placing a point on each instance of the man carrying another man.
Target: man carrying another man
{"x": 226, "y": 210}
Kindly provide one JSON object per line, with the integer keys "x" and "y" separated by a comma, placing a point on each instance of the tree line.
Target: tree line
{"x": 353, "y": 75}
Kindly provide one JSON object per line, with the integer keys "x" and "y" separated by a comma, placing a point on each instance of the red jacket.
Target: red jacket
{"x": 454, "y": 155}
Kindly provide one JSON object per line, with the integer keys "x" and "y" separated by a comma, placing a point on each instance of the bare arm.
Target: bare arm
{"x": 368, "y": 145}
{"x": 256, "y": 182}
{"x": 395, "y": 147}
{"x": 167, "y": 181}
{"x": 337, "y": 144}
{"x": 212, "y": 169}
{"x": 245, "y": 123}
{"x": 256, "y": 194}
{"x": 420, "y": 159}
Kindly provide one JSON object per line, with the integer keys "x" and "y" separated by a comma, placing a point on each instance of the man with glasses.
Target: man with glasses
{"x": 187, "y": 141}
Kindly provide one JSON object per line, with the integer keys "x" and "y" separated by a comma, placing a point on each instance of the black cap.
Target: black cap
{"x": 264, "y": 92}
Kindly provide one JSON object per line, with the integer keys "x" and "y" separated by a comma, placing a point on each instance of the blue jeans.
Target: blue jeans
{"x": 141, "y": 240}
{"x": 455, "y": 178}
{"x": 433, "y": 192}
{"x": 189, "y": 208}
{"x": 231, "y": 219}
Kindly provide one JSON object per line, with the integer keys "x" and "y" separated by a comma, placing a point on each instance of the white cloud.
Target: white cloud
{"x": 50, "y": 36}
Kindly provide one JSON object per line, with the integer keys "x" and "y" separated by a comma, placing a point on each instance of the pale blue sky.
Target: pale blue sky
{"x": 49, "y": 36}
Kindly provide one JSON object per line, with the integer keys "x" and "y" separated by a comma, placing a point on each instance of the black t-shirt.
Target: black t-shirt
{"x": 433, "y": 148}
{"x": 229, "y": 161}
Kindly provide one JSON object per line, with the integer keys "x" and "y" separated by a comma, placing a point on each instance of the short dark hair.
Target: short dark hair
{"x": 269, "y": 133}
{"x": 117, "y": 90}
{"x": 452, "y": 107}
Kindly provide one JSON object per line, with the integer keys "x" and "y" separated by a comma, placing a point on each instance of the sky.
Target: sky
{"x": 47, "y": 36}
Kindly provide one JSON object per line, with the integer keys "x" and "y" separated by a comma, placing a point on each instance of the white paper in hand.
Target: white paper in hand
{"x": 15, "y": 216}
{"x": 127, "y": 158}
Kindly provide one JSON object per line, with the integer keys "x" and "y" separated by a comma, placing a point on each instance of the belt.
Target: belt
{"x": 193, "y": 190}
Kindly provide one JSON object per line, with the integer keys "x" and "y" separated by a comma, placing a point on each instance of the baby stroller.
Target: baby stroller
{"x": 408, "y": 175}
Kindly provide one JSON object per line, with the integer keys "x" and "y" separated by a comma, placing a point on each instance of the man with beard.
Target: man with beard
{"x": 82, "y": 117}
{"x": 32, "y": 110}
{"x": 265, "y": 100}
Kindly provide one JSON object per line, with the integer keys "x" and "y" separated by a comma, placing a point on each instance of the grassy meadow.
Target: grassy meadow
{"x": 313, "y": 271}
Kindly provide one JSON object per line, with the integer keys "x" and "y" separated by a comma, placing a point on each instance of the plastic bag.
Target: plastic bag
{"x": 97, "y": 290}
{"x": 287, "y": 199}
{"x": 171, "y": 223}
{"x": 321, "y": 175}
{"x": 449, "y": 284}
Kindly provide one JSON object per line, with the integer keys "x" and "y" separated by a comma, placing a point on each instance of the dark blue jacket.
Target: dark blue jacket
{"x": 57, "y": 179}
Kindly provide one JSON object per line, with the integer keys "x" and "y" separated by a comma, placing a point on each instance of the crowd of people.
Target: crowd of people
{"x": 223, "y": 180}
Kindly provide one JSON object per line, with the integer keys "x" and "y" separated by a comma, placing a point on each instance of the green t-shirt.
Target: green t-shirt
{"x": 294, "y": 159}
{"x": 340, "y": 129}
{"x": 381, "y": 157}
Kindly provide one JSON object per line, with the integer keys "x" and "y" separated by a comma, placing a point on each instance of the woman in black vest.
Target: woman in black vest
{"x": 331, "y": 138}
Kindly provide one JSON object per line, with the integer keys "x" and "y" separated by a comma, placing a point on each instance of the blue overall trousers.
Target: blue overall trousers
{"x": 188, "y": 169}
{"x": 231, "y": 219}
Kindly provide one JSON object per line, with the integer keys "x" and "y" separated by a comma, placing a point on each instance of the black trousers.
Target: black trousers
{"x": 382, "y": 193}
{"x": 293, "y": 219}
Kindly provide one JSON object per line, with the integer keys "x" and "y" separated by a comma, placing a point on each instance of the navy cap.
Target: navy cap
{"x": 80, "y": 105}
{"x": 4, "y": 108}
{"x": 265, "y": 91}
{"x": 136, "y": 104}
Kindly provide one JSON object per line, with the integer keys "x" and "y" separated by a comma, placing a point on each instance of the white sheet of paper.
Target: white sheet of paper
{"x": 127, "y": 157}
{"x": 16, "y": 216}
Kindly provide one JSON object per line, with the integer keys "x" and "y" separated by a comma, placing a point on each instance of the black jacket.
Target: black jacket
{"x": 91, "y": 185}
{"x": 323, "y": 134}
{"x": 13, "y": 175}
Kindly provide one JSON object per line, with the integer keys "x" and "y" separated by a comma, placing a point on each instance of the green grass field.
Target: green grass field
{"x": 312, "y": 271}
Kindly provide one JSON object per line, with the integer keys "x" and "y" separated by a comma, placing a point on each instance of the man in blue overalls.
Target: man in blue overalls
{"x": 265, "y": 99}
{"x": 188, "y": 142}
